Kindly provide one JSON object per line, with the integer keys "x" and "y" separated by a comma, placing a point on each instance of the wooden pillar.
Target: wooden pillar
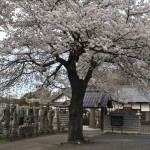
{"x": 92, "y": 118}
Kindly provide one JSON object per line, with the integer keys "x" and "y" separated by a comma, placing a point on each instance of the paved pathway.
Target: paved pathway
{"x": 37, "y": 143}
{"x": 42, "y": 142}
{"x": 100, "y": 142}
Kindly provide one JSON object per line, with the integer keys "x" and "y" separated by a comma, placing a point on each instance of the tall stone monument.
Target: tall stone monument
{"x": 14, "y": 133}
{"x": 6, "y": 131}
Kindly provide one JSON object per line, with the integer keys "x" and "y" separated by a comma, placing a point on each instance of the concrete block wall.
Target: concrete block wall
{"x": 131, "y": 123}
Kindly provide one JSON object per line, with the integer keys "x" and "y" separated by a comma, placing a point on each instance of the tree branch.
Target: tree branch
{"x": 61, "y": 60}
{"x": 93, "y": 65}
{"x": 55, "y": 72}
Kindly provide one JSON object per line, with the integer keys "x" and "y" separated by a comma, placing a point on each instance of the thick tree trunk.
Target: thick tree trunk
{"x": 78, "y": 87}
{"x": 76, "y": 112}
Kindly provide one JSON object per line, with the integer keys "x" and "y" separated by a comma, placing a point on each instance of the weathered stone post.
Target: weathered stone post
{"x": 50, "y": 120}
{"x": 36, "y": 121}
{"x": 41, "y": 122}
{"x": 92, "y": 118}
{"x": 14, "y": 133}
{"x": 6, "y": 122}
{"x": 1, "y": 128}
{"x": 102, "y": 118}
{"x": 44, "y": 119}
{"x": 56, "y": 122}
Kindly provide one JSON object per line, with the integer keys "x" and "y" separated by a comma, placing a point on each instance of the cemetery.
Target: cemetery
{"x": 17, "y": 123}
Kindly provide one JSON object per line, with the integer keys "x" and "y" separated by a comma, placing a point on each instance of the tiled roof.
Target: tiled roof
{"x": 61, "y": 104}
{"x": 96, "y": 99}
{"x": 92, "y": 99}
{"x": 128, "y": 94}
{"x": 56, "y": 97}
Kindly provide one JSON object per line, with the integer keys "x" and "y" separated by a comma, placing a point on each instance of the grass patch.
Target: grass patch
{"x": 4, "y": 139}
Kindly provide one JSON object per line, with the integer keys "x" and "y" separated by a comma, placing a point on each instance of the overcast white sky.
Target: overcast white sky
{"x": 2, "y": 35}
{"x": 15, "y": 92}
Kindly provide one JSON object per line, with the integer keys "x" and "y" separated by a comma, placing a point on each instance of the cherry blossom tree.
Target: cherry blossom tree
{"x": 52, "y": 42}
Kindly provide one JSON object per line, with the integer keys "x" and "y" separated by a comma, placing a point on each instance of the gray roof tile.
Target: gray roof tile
{"x": 92, "y": 99}
{"x": 128, "y": 94}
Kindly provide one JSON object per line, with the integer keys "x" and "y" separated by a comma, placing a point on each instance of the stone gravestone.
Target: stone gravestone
{"x": 56, "y": 122}
{"x": 41, "y": 121}
{"x": 6, "y": 121}
{"x": 14, "y": 133}
{"x": 46, "y": 127}
{"x": 36, "y": 121}
{"x": 50, "y": 120}
{"x": 1, "y": 128}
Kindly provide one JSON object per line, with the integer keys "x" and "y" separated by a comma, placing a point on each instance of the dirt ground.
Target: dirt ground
{"x": 98, "y": 142}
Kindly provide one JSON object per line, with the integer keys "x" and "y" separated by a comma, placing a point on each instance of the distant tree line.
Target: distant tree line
{"x": 36, "y": 95}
